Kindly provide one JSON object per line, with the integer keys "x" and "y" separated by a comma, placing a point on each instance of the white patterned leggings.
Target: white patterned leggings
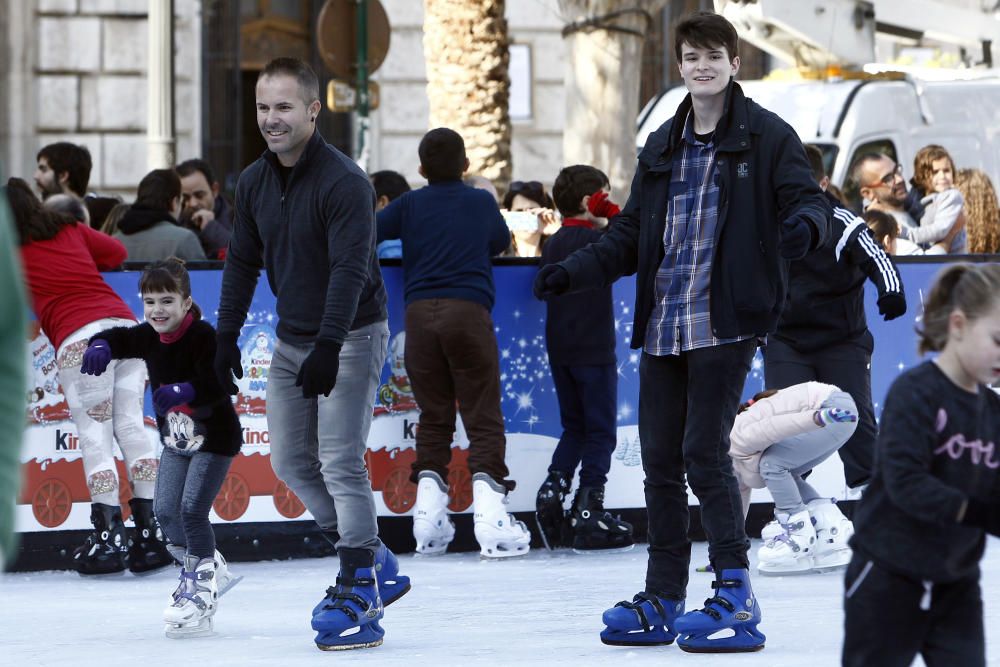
{"x": 106, "y": 408}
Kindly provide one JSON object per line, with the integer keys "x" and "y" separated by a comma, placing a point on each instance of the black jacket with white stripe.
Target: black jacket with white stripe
{"x": 826, "y": 295}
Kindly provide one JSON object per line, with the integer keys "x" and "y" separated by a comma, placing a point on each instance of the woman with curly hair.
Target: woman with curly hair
{"x": 982, "y": 213}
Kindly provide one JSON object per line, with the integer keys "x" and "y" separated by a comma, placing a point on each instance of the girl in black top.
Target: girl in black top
{"x": 198, "y": 427}
{"x": 920, "y": 530}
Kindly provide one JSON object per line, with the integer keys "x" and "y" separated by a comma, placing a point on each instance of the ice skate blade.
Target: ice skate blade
{"x": 612, "y": 550}
{"x": 102, "y": 575}
{"x": 227, "y": 585}
{"x": 785, "y": 573}
{"x": 497, "y": 554}
{"x": 204, "y": 628}
{"x": 429, "y": 554}
{"x": 654, "y": 638}
{"x": 723, "y": 649}
{"x": 349, "y": 647}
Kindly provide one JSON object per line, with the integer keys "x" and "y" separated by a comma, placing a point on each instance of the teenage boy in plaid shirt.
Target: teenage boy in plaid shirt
{"x": 721, "y": 200}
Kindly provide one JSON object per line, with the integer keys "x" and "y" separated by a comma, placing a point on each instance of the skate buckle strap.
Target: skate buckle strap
{"x": 720, "y": 601}
{"x": 636, "y": 606}
{"x": 339, "y": 596}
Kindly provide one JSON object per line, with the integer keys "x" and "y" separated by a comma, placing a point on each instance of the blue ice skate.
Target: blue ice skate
{"x": 733, "y": 607}
{"x": 391, "y": 584}
{"x": 648, "y": 620}
{"x": 349, "y": 618}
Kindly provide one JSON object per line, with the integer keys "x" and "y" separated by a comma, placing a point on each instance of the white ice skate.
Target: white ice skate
{"x": 432, "y": 527}
{"x": 792, "y": 551}
{"x": 833, "y": 532}
{"x": 499, "y": 534}
{"x": 195, "y": 601}
{"x": 771, "y": 530}
{"x": 224, "y": 578}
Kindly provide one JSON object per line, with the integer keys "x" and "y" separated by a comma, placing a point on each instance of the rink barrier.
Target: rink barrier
{"x": 53, "y": 502}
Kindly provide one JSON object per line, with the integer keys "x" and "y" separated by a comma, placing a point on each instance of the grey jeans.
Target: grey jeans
{"x": 783, "y": 463}
{"x": 318, "y": 445}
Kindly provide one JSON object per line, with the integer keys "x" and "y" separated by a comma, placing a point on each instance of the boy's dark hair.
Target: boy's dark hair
{"x": 63, "y": 156}
{"x": 388, "y": 183}
{"x": 815, "y": 157}
{"x": 442, "y": 155}
{"x": 706, "y": 30}
{"x": 188, "y": 167}
{"x": 158, "y": 189}
{"x": 298, "y": 69}
{"x": 32, "y": 221}
{"x": 573, "y": 184}
{"x": 881, "y": 224}
{"x": 168, "y": 275}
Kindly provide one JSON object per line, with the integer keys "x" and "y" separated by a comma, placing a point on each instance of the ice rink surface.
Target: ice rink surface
{"x": 543, "y": 609}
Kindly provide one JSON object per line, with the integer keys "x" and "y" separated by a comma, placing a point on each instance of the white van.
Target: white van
{"x": 897, "y": 116}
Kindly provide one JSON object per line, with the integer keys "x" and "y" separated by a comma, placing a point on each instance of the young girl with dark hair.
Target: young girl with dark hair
{"x": 62, "y": 261}
{"x": 920, "y": 530}
{"x": 198, "y": 427}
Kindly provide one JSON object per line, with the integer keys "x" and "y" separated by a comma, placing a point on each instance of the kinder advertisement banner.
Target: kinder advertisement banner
{"x": 54, "y": 494}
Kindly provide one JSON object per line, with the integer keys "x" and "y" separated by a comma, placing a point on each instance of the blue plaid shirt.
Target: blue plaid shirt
{"x": 680, "y": 320}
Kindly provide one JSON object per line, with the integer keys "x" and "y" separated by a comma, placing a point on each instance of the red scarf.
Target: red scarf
{"x": 176, "y": 334}
{"x": 577, "y": 222}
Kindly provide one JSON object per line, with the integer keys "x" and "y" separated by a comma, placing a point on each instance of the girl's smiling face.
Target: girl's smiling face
{"x": 165, "y": 311}
{"x": 942, "y": 176}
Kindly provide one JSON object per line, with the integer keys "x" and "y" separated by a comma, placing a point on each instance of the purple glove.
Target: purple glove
{"x": 834, "y": 416}
{"x": 172, "y": 395}
{"x": 96, "y": 358}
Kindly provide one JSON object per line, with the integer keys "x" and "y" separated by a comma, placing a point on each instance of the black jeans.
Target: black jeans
{"x": 847, "y": 366}
{"x": 588, "y": 406}
{"x": 884, "y": 625}
{"x": 687, "y": 405}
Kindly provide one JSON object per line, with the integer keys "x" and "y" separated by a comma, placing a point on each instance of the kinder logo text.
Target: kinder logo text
{"x": 254, "y": 437}
{"x": 67, "y": 441}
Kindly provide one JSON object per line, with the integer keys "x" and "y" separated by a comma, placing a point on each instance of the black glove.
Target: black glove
{"x": 318, "y": 373}
{"x": 551, "y": 280}
{"x": 892, "y": 305}
{"x": 228, "y": 361}
{"x": 796, "y": 237}
{"x": 983, "y": 515}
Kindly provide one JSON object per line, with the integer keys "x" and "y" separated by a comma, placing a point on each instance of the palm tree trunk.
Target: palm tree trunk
{"x": 465, "y": 48}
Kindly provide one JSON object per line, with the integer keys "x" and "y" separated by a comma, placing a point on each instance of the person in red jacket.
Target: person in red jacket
{"x": 61, "y": 261}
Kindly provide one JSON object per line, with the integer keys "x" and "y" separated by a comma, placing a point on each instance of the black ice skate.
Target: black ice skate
{"x": 147, "y": 552}
{"x": 550, "y": 515}
{"x": 104, "y": 551}
{"x": 595, "y": 529}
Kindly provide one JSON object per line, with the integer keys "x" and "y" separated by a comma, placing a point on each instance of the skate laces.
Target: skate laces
{"x": 719, "y": 600}
{"x": 189, "y": 588}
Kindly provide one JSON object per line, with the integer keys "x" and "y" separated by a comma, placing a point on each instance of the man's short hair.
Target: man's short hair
{"x": 442, "y": 155}
{"x": 158, "y": 189}
{"x": 63, "y": 156}
{"x": 815, "y": 157}
{"x": 859, "y": 166}
{"x": 573, "y": 184}
{"x": 299, "y": 70}
{"x": 706, "y": 30}
{"x": 389, "y": 184}
{"x": 188, "y": 167}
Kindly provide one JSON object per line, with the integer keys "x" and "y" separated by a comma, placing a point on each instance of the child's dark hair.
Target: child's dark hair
{"x": 760, "y": 395}
{"x": 533, "y": 190}
{"x": 815, "y": 158}
{"x": 972, "y": 288}
{"x": 442, "y": 155}
{"x": 390, "y": 184}
{"x": 169, "y": 275}
{"x": 573, "y": 184}
{"x": 706, "y": 30}
{"x": 32, "y": 221}
{"x": 881, "y": 224}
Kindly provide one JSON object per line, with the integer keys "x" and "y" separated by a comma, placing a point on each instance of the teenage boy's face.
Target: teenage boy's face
{"x": 707, "y": 72}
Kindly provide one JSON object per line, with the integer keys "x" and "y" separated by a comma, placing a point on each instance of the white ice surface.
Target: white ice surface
{"x": 544, "y": 609}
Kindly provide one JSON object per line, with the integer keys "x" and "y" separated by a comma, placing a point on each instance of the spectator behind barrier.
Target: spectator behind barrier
{"x": 940, "y": 202}
{"x": 388, "y": 186}
{"x": 881, "y": 184}
{"x": 63, "y": 168}
{"x": 149, "y": 230}
{"x": 982, "y": 213}
{"x": 523, "y": 200}
{"x": 69, "y": 206}
{"x": 203, "y": 209}
{"x": 115, "y": 215}
{"x": 482, "y": 183}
